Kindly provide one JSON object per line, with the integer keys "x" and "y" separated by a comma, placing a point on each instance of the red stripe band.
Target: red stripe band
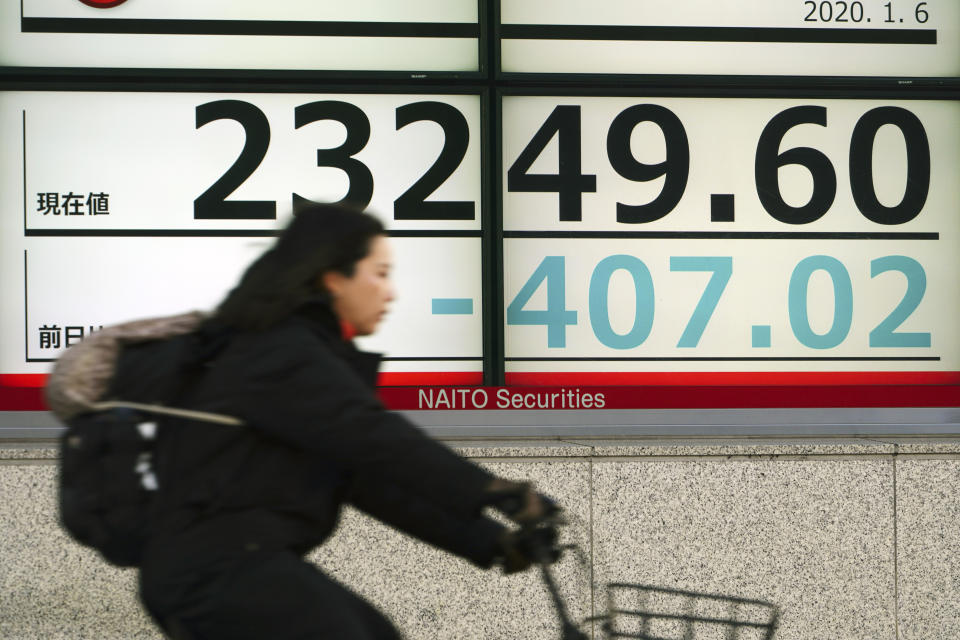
{"x": 587, "y": 398}
{"x": 456, "y": 391}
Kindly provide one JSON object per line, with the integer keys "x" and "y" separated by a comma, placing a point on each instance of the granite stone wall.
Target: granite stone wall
{"x": 848, "y": 538}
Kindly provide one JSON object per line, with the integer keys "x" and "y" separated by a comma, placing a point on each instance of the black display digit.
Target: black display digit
{"x": 413, "y": 204}
{"x": 568, "y": 183}
{"x": 360, "y": 189}
{"x": 853, "y": 11}
{"x": 769, "y": 160}
{"x": 676, "y": 166}
{"x": 843, "y": 12}
{"x": 813, "y": 10}
{"x": 212, "y": 204}
{"x": 861, "y": 165}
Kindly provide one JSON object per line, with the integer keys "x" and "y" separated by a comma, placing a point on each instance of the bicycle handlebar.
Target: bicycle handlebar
{"x": 544, "y": 557}
{"x": 570, "y": 630}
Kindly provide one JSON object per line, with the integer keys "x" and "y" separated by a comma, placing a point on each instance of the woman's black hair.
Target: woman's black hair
{"x": 321, "y": 238}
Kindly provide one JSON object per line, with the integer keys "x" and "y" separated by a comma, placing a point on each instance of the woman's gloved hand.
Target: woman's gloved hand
{"x": 520, "y": 548}
{"x": 519, "y": 502}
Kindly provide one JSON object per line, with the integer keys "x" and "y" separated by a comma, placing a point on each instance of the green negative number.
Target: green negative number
{"x": 600, "y": 302}
{"x": 556, "y": 316}
{"x": 842, "y": 302}
{"x": 722, "y": 269}
{"x": 884, "y": 335}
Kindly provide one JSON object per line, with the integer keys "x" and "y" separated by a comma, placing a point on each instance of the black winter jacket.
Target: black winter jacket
{"x": 316, "y": 437}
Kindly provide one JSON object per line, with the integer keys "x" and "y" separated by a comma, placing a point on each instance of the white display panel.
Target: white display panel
{"x": 152, "y": 156}
{"x": 889, "y": 38}
{"x": 637, "y": 237}
{"x": 368, "y": 35}
{"x": 73, "y": 284}
{"x": 100, "y": 209}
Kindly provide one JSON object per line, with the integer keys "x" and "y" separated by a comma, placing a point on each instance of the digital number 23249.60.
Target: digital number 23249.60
{"x": 212, "y": 204}
{"x": 569, "y": 183}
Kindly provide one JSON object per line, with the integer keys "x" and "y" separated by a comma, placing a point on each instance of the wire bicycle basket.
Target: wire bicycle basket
{"x": 646, "y": 612}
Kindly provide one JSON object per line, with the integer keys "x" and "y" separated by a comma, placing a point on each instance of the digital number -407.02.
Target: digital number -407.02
{"x": 556, "y": 317}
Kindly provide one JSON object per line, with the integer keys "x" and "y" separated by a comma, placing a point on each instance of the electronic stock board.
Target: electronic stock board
{"x": 731, "y": 204}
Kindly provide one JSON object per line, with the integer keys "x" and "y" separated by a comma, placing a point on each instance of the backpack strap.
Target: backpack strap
{"x": 202, "y": 416}
{"x": 205, "y": 344}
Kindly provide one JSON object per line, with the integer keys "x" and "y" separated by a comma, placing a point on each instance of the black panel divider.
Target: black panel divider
{"x": 493, "y": 224}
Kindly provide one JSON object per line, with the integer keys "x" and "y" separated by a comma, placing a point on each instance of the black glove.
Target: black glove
{"x": 519, "y": 502}
{"x": 520, "y": 548}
